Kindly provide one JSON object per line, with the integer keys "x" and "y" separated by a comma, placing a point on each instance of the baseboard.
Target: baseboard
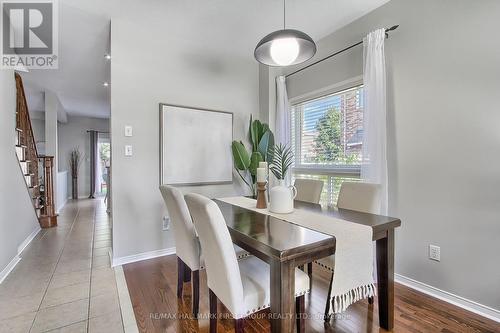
{"x": 110, "y": 254}
{"x": 448, "y": 297}
{"x": 126, "y": 308}
{"x": 5, "y": 272}
{"x": 28, "y": 240}
{"x": 143, "y": 256}
{"x": 62, "y": 206}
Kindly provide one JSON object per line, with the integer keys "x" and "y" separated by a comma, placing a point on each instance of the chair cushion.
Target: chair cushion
{"x": 327, "y": 263}
{"x": 255, "y": 277}
{"x": 240, "y": 254}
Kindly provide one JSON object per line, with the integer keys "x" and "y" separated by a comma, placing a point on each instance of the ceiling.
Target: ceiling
{"x": 84, "y": 38}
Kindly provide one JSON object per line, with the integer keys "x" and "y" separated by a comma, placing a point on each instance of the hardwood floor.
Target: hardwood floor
{"x": 153, "y": 283}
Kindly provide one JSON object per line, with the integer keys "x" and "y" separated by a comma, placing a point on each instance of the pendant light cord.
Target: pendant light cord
{"x": 284, "y": 14}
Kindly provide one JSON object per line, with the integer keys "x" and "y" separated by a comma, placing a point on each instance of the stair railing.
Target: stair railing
{"x": 40, "y": 184}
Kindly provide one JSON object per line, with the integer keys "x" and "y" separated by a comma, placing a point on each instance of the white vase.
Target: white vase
{"x": 281, "y": 198}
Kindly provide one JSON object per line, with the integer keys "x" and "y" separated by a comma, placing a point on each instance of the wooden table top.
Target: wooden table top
{"x": 379, "y": 223}
{"x": 277, "y": 239}
{"x": 271, "y": 237}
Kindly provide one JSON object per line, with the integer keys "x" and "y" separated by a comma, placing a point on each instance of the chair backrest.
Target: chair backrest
{"x": 308, "y": 190}
{"x": 223, "y": 272}
{"x": 359, "y": 196}
{"x": 186, "y": 241}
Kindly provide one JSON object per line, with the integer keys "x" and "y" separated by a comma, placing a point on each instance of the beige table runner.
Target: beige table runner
{"x": 353, "y": 278}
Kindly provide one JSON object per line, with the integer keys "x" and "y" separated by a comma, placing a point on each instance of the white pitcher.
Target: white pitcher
{"x": 281, "y": 198}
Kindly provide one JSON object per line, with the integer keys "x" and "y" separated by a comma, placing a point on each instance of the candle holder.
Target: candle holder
{"x": 261, "y": 195}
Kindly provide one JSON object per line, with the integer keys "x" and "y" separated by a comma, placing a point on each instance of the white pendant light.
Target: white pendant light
{"x": 285, "y": 47}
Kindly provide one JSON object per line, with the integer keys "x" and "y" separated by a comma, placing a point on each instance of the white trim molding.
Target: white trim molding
{"x": 143, "y": 256}
{"x": 448, "y": 297}
{"x": 6, "y": 271}
{"x": 58, "y": 211}
{"x": 129, "y": 322}
{"x": 28, "y": 240}
{"x": 10, "y": 266}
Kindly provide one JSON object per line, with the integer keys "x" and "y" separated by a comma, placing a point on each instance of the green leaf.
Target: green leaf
{"x": 265, "y": 145}
{"x": 255, "y": 130}
{"x": 240, "y": 156}
{"x": 254, "y": 162}
{"x": 282, "y": 159}
{"x": 264, "y": 129}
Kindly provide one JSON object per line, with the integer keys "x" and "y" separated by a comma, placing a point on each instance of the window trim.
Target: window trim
{"x": 318, "y": 169}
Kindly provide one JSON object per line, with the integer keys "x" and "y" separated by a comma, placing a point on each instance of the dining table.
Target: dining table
{"x": 285, "y": 246}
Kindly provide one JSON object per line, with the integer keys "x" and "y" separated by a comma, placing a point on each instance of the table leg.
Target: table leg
{"x": 385, "y": 280}
{"x": 282, "y": 296}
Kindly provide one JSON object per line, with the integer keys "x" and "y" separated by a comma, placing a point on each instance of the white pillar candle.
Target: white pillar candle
{"x": 263, "y": 165}
{"x": 261, "y": 175}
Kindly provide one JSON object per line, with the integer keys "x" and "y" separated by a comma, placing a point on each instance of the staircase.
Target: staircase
{"x": 37, "y": 169}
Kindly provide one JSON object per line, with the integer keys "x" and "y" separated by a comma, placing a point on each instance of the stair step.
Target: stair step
{"x": 18, "y": 129}
{"x": 22, "y": 146}
{"x": 29, "y": 175}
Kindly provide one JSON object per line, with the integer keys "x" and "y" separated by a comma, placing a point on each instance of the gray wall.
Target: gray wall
{"x": 52, "y": 108}
{"x": 155, "y": 61}
{"x": 38, "y": 126}
{"x": 443, "y": 135}
{"x": 74, "y": 134}
{"x": 17, "y": 215}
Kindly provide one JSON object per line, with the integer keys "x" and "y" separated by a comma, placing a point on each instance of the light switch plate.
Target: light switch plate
{"x": 128, "y": 150}
{"x": 128, "y": 130}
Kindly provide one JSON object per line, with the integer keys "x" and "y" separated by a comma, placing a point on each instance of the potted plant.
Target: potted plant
{"x": 75, "y": 160}
{"x": 246, "y": 163}
{"x": 281, "y": 197}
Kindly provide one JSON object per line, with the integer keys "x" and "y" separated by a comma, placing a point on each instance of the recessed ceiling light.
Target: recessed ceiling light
{"x": 107, "y": 56}
{"x": 106, "y": 84}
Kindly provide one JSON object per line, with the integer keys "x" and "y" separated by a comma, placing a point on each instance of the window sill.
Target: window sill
{"x": 319, "y": 170}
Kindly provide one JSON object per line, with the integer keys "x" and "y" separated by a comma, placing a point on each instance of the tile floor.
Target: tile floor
{"x": 64, "y": 282}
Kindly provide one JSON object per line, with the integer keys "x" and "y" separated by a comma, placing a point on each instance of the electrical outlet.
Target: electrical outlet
{"x": 166, "y": 223}
{"x": 434, "y": 252}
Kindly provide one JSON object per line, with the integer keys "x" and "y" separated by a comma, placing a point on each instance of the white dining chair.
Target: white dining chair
{"x": 242, "y": 286}
{"x": 308, "y": 190}
{"x": 189, "y": 258}
{"x": 358, "y": 196}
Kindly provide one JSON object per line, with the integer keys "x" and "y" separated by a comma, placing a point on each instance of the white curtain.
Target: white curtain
{"x": 374, "y": 166}
{"x": 283, "y": 117}
{"x": 282, "y": 112}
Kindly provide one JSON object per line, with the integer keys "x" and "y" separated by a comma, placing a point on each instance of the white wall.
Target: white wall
{"x": 17, "y": 215}
{"x": 38, "y": 126}
{"x": 443, "y": 135}
{"x": 74, "y": 134}
{"x": 155, "y": 59}
{"x": 62, "y": 190}
{"x": 52, "y": 106}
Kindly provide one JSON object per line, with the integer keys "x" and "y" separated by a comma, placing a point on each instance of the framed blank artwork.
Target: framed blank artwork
{"x": 195, "y": 146}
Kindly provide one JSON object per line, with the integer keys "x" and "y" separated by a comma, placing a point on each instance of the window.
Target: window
{"x": 327, "y": 139}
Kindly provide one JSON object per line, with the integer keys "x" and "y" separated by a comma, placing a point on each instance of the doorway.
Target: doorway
{"x": 103, "y": 164}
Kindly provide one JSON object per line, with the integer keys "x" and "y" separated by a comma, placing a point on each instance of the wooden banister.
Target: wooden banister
{"x": 41, "y": 188}
{"x": 49, "y": 217}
